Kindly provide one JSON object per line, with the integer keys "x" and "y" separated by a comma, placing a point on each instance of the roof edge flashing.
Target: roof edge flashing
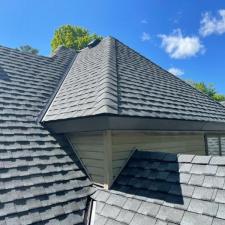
{"x": 113, "y": 122}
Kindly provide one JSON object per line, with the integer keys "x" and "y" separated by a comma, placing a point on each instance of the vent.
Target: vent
{"x": 93, "y": 43}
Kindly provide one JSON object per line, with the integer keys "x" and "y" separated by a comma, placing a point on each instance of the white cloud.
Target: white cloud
{"x": 212, "y": 25}
{"x": 144, "y": 21}
{"x": 179, "y": 46}
{"x": 176, "y": 71}
{"x": 145, "y": 36}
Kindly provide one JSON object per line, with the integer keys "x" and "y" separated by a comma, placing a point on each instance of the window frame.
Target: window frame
{"x": 214, "y": 134}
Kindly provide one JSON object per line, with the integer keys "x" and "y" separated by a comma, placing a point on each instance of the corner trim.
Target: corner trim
{"x": 108, "y": 173}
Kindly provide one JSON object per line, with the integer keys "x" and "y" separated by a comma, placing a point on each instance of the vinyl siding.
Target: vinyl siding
{"x": 124, "y": 142}
{"x": 90, "y": 149}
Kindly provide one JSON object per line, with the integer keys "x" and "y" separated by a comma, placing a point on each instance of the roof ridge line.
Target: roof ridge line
{"x": 55, "y": 92}
{"x": 117, "y": 75}
{"x": 15, "y": 50}
{"x": 110, "y": 80}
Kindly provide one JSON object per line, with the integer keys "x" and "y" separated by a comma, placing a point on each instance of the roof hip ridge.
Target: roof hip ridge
{"x": 107, "y": 95}
{"x": 43, "y": 113}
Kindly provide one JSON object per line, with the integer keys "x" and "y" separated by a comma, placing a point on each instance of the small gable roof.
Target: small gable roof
{"x": 113, "y": 79}
{"x": 161, "y": 188}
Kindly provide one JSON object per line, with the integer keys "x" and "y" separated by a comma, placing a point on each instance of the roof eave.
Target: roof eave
{"x": 113, "y": 122}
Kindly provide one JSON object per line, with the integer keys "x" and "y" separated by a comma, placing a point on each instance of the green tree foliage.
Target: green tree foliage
{"x": 219, "y": 97}
{"x": 28, "y": 49}
{"x": 72, "y": 37}
{"x": 208, "y": 90}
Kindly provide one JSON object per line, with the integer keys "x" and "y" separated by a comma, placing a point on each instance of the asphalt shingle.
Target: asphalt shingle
{"x": 40, "y": 178}
{"x": 113, "y": 78}
{"x": 196, "y": 219}
{"x": 198, "y": 199}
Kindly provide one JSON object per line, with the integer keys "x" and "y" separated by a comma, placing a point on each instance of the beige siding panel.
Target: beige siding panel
{"x": 172, "y": 143}
{"x": 94, "y": 163}
{"x": 87, "y": 138}
{"x": 90, "y": 155}
{"x": 120, "y": 155}
{"x": 166, "y": 147}
{"x": 89, "y": 147}
{"x": 95, "y": 170}
{"x": 137, "y": 138}
{"x": 117, "y": 163}
{"x": 116, "y": 171}
{"x": 124, "y": 142}
{"x": 106, "y": 153}
{"x": 98, "y": 179}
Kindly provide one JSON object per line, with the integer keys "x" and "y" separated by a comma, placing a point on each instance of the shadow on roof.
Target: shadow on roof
{"x": 153, "y": 176}
{"x": 3, "y": 75}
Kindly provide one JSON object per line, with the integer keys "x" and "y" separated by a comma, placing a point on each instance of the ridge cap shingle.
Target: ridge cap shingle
{"x": 112, "y": 78}
{"x": 42, "y": 115}
{"x": 104, "y": 82}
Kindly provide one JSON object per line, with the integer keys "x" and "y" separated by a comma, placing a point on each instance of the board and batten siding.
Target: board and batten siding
{"x": 104, "y": 153}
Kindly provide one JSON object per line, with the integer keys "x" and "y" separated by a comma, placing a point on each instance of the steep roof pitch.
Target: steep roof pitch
{"x": 164, "y": 189}
{"x": 41, "y": 181}
{"x": 112, "y": 78}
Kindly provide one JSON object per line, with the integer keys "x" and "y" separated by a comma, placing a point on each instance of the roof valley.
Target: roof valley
{"x": 41, "y": 180}
{"x": 60, "y": 53}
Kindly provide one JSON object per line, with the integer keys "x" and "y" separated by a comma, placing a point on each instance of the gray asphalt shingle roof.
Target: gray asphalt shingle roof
{"x": 41, "y": 181}
{"x": 161, "y": 188}
{"x": 223, "y": 103}
{"x": 112, "y": 78}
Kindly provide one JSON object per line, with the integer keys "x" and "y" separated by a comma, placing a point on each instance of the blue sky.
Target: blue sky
{"x": 187, "y": 37}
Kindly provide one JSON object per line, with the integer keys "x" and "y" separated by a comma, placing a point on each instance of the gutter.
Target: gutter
{"x": 93, "y": 210}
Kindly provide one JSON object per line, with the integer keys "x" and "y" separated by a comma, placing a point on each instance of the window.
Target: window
{"x": 215, "y": 144}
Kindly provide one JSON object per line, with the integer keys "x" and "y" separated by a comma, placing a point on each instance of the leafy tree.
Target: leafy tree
{"x": 208, "y": 90}
{"x": 72, "y": 37}
{"x": 219, "y": 97}
{"x": 28, "y": 49}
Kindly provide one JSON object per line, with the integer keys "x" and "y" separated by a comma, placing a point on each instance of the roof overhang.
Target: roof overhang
{"x": 111, "y": 122}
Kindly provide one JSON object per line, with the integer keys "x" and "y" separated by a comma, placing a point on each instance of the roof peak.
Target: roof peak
{"x": 111, "y": 78}
{"x": 102, "y": 85}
